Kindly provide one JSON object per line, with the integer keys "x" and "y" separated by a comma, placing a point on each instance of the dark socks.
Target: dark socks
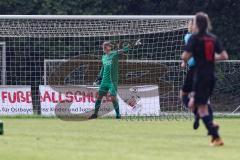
{"x": 196, "y": 119}
{"x": 97, "y": 106}
{"x": 207, "y": 120}
{"x": 116, "y": 107}
{"x": 210, "y": 111}
{"x": 185, "y": 100}
{"x": 195, "y": 112}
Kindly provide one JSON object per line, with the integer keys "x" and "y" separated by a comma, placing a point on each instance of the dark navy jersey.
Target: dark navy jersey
{"x": 203, "y": 48}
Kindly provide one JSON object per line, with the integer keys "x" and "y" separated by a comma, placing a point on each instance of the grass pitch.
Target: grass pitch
{"x": 110, "y": 139}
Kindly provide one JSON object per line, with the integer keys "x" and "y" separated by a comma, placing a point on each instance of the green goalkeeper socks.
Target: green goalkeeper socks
{"x": 116, "y": 107}
{"x": 97, "y": 106}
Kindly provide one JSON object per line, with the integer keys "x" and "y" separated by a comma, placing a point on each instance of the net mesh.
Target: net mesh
{"x": 167, "y": 75}
{"x": 68, "y": 52}
{"x": 227, "y": 90}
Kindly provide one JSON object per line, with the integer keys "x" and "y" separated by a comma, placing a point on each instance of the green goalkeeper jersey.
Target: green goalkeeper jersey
{"x": 109, "y": 70}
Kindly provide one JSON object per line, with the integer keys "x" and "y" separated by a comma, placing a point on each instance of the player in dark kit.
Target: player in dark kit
{"x": 188, "y": 82}
{"x": 203, "y": 45}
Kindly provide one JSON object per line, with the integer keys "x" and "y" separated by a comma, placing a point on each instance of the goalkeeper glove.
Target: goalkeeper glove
{"x": 98, "y": 81}
{"x": 125, "y": 49}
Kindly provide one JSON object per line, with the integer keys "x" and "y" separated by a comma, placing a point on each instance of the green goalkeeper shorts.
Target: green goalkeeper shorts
{"x": 105, "y": 87}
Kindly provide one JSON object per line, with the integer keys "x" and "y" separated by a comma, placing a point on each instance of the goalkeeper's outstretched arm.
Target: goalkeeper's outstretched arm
{"x": 125, "y": 49}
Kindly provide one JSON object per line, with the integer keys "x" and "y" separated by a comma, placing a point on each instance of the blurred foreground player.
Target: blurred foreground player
{"x": 203, "y": 45}
{"x": 188, "y": 82}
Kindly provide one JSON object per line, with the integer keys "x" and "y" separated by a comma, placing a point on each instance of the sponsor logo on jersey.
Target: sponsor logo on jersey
{"x": 109, "y": 62}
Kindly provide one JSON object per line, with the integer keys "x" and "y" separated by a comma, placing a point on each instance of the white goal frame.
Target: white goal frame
{"x": 73, "y": 17}
{"x": 3, "y": 63}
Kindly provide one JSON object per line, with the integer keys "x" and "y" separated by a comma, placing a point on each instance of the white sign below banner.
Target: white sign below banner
{"x": 134, "y": 100}
{"x": 15, "y": 100}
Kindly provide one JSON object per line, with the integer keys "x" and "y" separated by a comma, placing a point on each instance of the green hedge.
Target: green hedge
{"x": 224, "y": 13}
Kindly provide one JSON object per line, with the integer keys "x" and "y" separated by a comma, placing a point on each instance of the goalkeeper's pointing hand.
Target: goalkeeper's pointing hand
{"x": 138, "y": 42}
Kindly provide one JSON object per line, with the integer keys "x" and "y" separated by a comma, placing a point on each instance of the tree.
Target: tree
{"x": 222, "y": 12}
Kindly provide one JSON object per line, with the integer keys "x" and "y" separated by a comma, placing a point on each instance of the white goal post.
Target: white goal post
{"x": 3, "y": 62}
{"x": 94, "y": 17}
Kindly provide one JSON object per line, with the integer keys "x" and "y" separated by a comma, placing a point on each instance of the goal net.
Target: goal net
{"x": 227, "y": 90}
{"x": 66, "y": 50}
{"x": 166, "y": 75}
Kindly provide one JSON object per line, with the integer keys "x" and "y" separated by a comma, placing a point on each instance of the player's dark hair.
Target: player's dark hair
{"x": 203, "y": 22}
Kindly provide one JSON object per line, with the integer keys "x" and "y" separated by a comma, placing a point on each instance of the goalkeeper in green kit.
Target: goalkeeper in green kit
{"x": 108, "y": 77}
